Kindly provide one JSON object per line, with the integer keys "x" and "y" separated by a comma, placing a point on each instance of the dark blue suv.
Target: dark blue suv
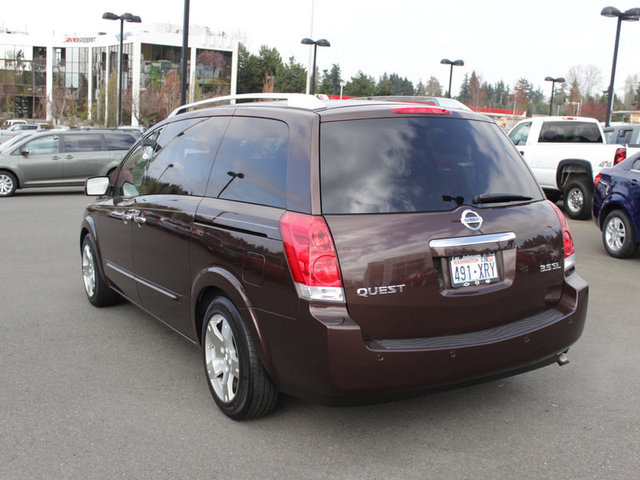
{"x": 616, "y": 207}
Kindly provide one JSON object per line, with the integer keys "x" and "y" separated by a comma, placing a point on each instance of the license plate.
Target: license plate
{"x": 473, "y": 270}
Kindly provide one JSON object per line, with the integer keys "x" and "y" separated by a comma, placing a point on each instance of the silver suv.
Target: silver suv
{"x": 68, "y": 158}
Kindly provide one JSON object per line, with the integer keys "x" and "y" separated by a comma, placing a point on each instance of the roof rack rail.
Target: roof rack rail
{"x": 299, "y": 100}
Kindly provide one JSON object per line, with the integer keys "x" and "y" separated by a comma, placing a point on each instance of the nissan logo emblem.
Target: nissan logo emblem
{"x": 471, "y": 220}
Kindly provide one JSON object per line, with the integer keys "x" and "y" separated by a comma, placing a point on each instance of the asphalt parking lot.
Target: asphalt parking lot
{"x": 90, "y": 393}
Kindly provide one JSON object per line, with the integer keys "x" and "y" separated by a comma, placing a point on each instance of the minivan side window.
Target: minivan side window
{"x": 82, "y": 143}
{"x": 251, "y": 165}
{"x": 118, "y": 141}
{"x": 182, "y": 167}
{"x": 47, "y": 145}
{"x": 132, "y": 170}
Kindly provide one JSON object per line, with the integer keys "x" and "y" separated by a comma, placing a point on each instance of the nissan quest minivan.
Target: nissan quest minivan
{"x": 336, "y": 249}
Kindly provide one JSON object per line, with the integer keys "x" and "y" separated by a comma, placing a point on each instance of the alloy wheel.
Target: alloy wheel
{"x": 88, "y": 271}
{"x": 615, "y": 234}
{"x": 6, "y": 184}
{"x": 221, "y": 356}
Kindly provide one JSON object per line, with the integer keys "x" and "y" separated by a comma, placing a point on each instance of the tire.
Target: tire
{"x": 578, "y": 196}
{"x": 95, "y": 286}
{"x": 617, "y": 235}
{"x": 8, "y": 184}
{"x": 238, "y": 382}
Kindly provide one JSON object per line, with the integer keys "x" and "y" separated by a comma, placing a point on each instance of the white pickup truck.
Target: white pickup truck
{"x": 565, "y": 155}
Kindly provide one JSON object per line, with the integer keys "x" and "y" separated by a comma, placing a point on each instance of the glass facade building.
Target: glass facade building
{"x": 75, "y": 79}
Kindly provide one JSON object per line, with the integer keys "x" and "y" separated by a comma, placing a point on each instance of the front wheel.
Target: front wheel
{"x": 95, "y": 286}
{"x": 617, "y": 235}
{"x": 8, "y": 184}
{"x": 238, "y": 382}
{"x": 577, "y": 198}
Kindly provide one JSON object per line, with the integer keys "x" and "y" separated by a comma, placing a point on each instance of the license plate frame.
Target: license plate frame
{"x": 473, "y": 270}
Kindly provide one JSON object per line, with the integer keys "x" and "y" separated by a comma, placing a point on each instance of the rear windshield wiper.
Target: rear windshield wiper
{"x": 500, "y": 198}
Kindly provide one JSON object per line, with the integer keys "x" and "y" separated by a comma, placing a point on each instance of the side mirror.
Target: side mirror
{"x": 96, "y": 186}
{"x": 25, "y": 152}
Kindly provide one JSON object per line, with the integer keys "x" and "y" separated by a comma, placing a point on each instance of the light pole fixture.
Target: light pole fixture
{"x": 553, "y": 84}
{"x": 316, "y": 43}
{"x": 455, "y": 63}
{"x": 125, "y": 17}
{"x": 631, "y": 15}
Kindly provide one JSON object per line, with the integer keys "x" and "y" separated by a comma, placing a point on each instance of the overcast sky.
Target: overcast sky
{"x": 499, "y": 39}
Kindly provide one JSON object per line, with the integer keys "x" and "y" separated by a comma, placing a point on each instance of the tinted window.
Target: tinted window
{"x": 173, "y": 129}
{"x": 42, "y": 145}
{"x": 82, "y": 143}
{"x": 182, "y": 167}
{"x": 115, "y": 141}
{"x": 416, "y": 165}
{"x": 132, "y": 170}
{"x": 570, "y": 132}
{"x": 251, "y": 165}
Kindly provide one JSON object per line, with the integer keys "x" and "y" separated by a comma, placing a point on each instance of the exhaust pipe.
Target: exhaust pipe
{"x": 562, "y": 359}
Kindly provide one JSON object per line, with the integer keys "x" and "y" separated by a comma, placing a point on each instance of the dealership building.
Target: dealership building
{"x": 53, "y": 77}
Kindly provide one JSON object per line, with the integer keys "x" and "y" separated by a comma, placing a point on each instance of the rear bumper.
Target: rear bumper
{"x": 388, "y": 365}
{"x": 346, "y": 365}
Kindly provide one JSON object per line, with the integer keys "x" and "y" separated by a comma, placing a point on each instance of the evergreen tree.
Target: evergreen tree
{"x": 360, "y": 85}
{"x": 291, "y": 77}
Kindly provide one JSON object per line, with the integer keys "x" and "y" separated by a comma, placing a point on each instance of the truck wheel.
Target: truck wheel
{"x": 578, "y": 196}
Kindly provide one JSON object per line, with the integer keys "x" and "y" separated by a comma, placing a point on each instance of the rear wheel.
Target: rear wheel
{"x": 617, "y": 235}
{"x": 8, "y": 184}
{"x": 238, "y": 382}
{"x": 577, "y": 198}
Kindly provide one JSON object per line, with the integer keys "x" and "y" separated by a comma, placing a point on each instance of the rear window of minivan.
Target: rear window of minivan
{"x": 419, "y": 164}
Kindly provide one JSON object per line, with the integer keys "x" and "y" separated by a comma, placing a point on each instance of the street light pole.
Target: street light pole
{"x": 457, "y": 63}
{"x": 631, "y": 15}
{"x": 125, "y": 17}
{"x": 553, "y": 84}
{"x": 185, "y": 47}
{"x": 316, "y": 43}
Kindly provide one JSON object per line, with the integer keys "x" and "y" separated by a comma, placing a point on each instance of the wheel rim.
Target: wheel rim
{"x": 575, "y": 200}
{"x": 221, "y": 357}
{"x": 615, "y": 234}
{"x": 88, "y": 271}
{"x": 6, "y": 184}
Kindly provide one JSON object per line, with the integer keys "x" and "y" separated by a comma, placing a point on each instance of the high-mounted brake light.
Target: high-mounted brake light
{"x": 312, "y": 257}
{"x": 421, "y": 111}
{"x": 567, "y": 238}
{"x": 621, "y": 154}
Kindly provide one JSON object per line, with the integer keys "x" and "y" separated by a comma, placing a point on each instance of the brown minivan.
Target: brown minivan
{"x": 337, "y": 249}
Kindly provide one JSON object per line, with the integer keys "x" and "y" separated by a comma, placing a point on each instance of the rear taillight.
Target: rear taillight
{"x": 597, "y": 180}
{"x": 569, "y": 247}
{"x": 312, "y": 257}
{"x": 621, "y": 154}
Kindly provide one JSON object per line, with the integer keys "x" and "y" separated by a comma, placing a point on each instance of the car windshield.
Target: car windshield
{"x": 419, "y": 164}
{"x": 13, "y": 141}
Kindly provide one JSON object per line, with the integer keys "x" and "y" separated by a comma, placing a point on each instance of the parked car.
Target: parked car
{"x": 336, "y": 248}
{"x": 12, "y": 121}
{"x": 565, "y": 154}
{"x": 623, "y": 134}
{"x": 616, "y": 207}
{"x": 60, "y": 158}
{"x": 19, "y": 128}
